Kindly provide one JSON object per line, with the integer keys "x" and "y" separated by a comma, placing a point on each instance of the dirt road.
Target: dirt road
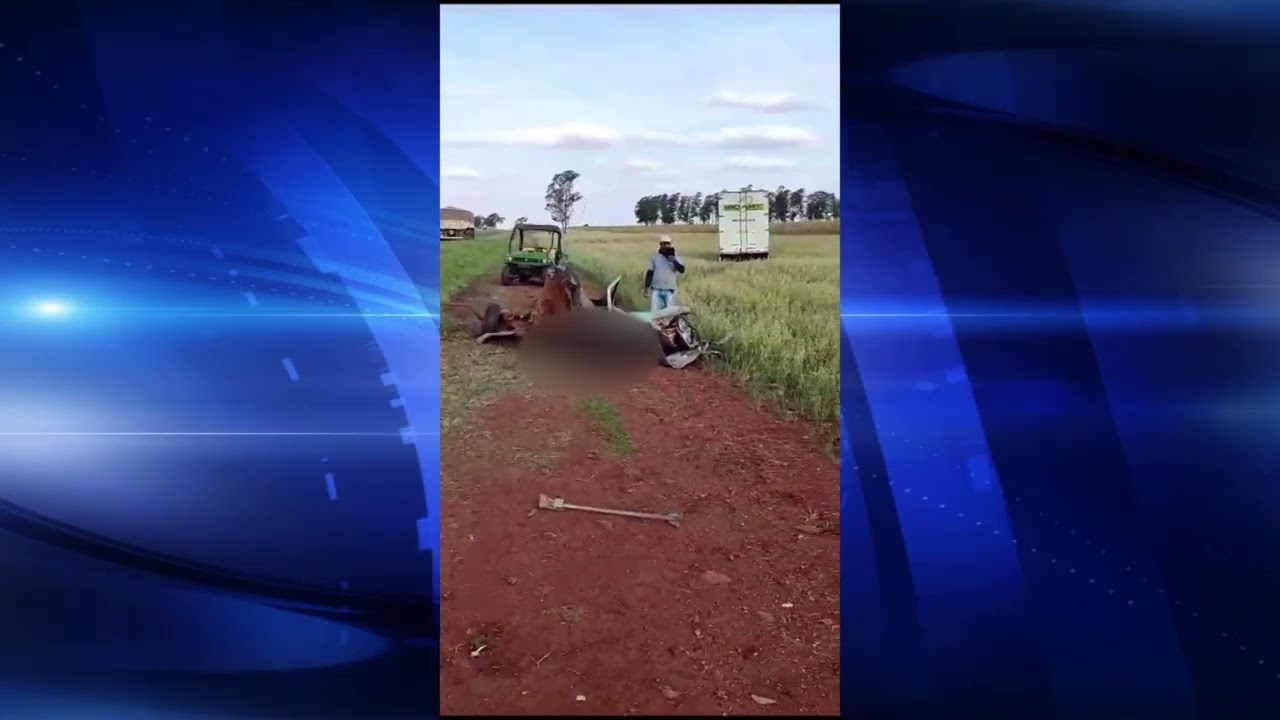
{"x": 736, "y": 611}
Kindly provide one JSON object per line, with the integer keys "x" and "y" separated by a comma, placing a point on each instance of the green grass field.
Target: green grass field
{"x": 462, "y": 261}
{"x": 783, "y": 312}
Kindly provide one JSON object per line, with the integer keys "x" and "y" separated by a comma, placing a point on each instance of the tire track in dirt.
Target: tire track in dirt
{"x": 585, "y": 614}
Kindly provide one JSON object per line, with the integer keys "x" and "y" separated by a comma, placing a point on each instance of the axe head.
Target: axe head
{"x": 549, "y": 503}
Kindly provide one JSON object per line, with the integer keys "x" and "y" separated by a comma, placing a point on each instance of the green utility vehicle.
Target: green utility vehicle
{"x": 532, "y": 250}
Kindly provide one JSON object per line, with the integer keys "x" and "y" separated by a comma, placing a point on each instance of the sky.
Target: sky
{"x": 640, "y": 100}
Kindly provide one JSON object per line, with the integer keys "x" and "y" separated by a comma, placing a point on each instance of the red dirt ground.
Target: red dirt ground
{"x": 585, "y": 614}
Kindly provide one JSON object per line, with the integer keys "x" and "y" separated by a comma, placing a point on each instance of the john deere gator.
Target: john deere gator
{"x": 531, "y": 251}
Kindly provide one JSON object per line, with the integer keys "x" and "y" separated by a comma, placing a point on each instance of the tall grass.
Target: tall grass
{"x": 783, "y": 312}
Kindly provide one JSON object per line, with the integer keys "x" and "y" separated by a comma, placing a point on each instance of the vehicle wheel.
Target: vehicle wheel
{"x": 506, "y": 276}
{"x": 686, "y": 336}
{"x": 491, "y": 321}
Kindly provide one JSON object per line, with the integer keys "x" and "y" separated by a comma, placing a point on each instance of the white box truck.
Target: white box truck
{"x": 744, "y": 224}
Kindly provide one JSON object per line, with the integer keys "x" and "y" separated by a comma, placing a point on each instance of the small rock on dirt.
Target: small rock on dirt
{"x": 669, "y": 693}
{"x": 711, "y": 577}
{"x": 765, "y": 616}
{"x": 809, "y": 529}
{"x": 510, "y": 580}
{"x": 762, "y": 700}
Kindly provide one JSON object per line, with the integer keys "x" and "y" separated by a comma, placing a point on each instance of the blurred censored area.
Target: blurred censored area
{"x": 570, "y": 342}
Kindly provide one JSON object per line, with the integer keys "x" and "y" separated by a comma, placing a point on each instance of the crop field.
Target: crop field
{"x": 782, "y": 312}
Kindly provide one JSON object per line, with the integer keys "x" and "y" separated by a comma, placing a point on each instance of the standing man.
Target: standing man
{"x": 660, "y": 278}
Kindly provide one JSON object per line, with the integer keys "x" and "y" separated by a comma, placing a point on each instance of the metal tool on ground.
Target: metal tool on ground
{"x": 546, "y": 502}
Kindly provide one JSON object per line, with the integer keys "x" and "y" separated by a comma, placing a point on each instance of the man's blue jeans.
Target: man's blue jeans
{"x": 661, "y": 299}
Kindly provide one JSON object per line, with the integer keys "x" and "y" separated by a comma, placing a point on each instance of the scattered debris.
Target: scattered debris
{"x": 809, "y": 529}
{"x": 561, "y": 293}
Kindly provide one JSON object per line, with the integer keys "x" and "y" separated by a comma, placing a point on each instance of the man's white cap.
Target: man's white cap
{"x": 664, "y": 239}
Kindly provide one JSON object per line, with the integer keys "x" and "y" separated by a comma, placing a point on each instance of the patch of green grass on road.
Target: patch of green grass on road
{"x": 604, "y": 417}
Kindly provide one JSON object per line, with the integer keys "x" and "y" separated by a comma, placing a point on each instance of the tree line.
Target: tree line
{"x": 492, "y": 220}
{"x": 785, "y": 205}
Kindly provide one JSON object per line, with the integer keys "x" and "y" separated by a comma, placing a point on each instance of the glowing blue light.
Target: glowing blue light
{"x": 50, "y": 308}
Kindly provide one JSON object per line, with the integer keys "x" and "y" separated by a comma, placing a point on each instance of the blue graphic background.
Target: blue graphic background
{"x": 219, "y": 393}
{"x": 1060, "y": 265}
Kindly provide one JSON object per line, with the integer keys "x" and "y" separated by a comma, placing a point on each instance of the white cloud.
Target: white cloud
{"x": 757, "y": 136}
{"x": 569, "y": 135}
{"x": 587, "y": 136}
{"x": 753, "y": 162}
{"x": 770, "y": 102}
{"x": 459, "y": 173}
{"x": 650, "y": 168}
{"x": 643, "y": 165}
{"x": 659, "y": 138}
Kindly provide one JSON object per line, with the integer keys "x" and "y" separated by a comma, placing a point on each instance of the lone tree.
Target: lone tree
{"x": 561, "y": 197}
{"x": 522, "y": 220}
